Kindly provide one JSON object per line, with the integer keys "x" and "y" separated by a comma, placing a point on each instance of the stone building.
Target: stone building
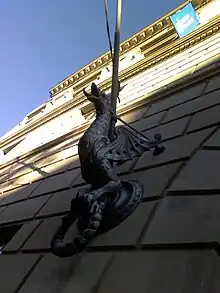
{"x": 171, "y": 242}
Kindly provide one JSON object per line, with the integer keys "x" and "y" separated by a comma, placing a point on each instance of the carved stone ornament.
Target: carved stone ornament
{"x": 108, "y": 201}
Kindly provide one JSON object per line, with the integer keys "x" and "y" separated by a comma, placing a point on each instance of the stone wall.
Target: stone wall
{"x": 169, "y": 244}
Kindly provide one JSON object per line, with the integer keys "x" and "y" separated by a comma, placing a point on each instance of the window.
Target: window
{"x": 7, "y": 233}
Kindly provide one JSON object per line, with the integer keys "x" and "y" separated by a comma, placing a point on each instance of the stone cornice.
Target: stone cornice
{"x": 169, "y": 51}
{"x": 134, "y": 41}
{"x": 173, "y": 49}
{"x": 200, "y": 3}
{"x": 161, "y": 55}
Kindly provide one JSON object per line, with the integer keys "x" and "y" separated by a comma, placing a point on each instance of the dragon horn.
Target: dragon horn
{"x": 85, "y": 93}
{"x": 91, "y": 97}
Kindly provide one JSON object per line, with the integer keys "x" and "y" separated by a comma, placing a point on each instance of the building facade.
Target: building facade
{"x": 170, "y": 73}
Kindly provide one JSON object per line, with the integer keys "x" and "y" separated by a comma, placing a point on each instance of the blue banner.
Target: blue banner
{"x": 185, "y": 20}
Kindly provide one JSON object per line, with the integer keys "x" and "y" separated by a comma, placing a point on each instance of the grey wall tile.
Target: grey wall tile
{"x": 128, "y": 232}
{"x": 58, "y": 203}
{"x": 185, "y": 219}
{"x": 169, "y": 130}
{"x": 163, "y": 271}
{"x": 193, "y": 106}
{"x": 154, "y": 180}
{"x": 134, "y": 115}
{"x": 176, "y": 149}
{"x": 42, "y": 236}
{"x": 56, "y": 182}
{"x": 214, "y": 140}
{"x": 213, "y": 84}
{"x": 23, "y": 210}
{"x": 21, "y": 236}
{"x": 18, "y": 194}
{"x": 200, "y": 174}
{"x": 148, "y": 122}
{"x": 14, "y": 269}
{"x": 75, "y": 274}
{"x": 176, "y": 99}
{"x": 206, "y": 118}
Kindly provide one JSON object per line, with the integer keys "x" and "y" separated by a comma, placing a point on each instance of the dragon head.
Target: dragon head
{"x": 100, "y": 100}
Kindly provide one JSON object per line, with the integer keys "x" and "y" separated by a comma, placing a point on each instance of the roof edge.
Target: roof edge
{"x": 127, "y": 45}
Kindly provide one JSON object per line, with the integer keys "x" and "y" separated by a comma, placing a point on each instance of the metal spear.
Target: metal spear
{"x": 115, "y": 80}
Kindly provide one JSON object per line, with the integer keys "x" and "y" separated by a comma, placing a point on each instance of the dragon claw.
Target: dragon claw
{"x": 158, "y": 136}
{"x": 89, "y": 199}
{"x": 94, "y": 208}
{"x": 158, "y": 150}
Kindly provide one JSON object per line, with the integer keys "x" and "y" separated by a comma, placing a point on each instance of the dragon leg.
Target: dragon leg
{"x": 112, "y": 182}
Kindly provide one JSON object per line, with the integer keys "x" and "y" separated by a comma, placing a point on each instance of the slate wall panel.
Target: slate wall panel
{"x": 56, "y": 182}
{"x": 169, "y": 130}
{"x": 23, "y": 210}
{"x": 205, "y": 118}
{"x": 21, "y": 236}
{"x": 201, "y": 174}
{"x": 163, "y": 271}
{"x": 148, "y": 122}
{"x": 18, "y": 194}
{"x": 58, "y": 203}
{"x": 154, "y": 180}
{"x": 134, "y": 115}
{"x": 213, "y": 84}
{"x": 179, "y": 97}
{"x": 214, "y": 141}
{"x": 176, "y": 149}
{"x": 11, "y": 277}
{"x": 185, "y": 219}
{"x": 128, "y": 233}
{"x": 40, "y": 239}
{"x": 193, "y": 106}
{"x": 76, "y": 274}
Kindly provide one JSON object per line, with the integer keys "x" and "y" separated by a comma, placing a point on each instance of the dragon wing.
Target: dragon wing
{"x": 126, "y": 146}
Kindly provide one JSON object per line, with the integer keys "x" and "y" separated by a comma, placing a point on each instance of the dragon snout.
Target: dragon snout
{"x": 95, "y": 90}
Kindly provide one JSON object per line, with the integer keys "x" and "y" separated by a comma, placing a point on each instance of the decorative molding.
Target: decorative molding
{"x": 200, "y": 3}
{"x": 129, "y": 44}
{"x": 167, "y": 53}
{"x": 161, "y": 55}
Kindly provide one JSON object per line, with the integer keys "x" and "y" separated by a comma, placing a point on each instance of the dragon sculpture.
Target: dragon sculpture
{"x": 108, "y": 201}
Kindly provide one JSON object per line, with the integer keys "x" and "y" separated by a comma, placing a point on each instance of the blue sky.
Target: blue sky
{"x": 44, "y": 41}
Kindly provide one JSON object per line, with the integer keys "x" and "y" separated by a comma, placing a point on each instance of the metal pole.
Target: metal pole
{"x": 115, "y": 81}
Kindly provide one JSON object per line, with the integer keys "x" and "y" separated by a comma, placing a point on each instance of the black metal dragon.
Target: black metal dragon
{"x": 108, "y": 201}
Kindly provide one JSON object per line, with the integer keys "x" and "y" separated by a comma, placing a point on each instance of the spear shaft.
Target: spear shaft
{"x": 115, "y": 81}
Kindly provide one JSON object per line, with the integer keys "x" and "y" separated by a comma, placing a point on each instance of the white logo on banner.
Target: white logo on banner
{"x": 183, "y": 23}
